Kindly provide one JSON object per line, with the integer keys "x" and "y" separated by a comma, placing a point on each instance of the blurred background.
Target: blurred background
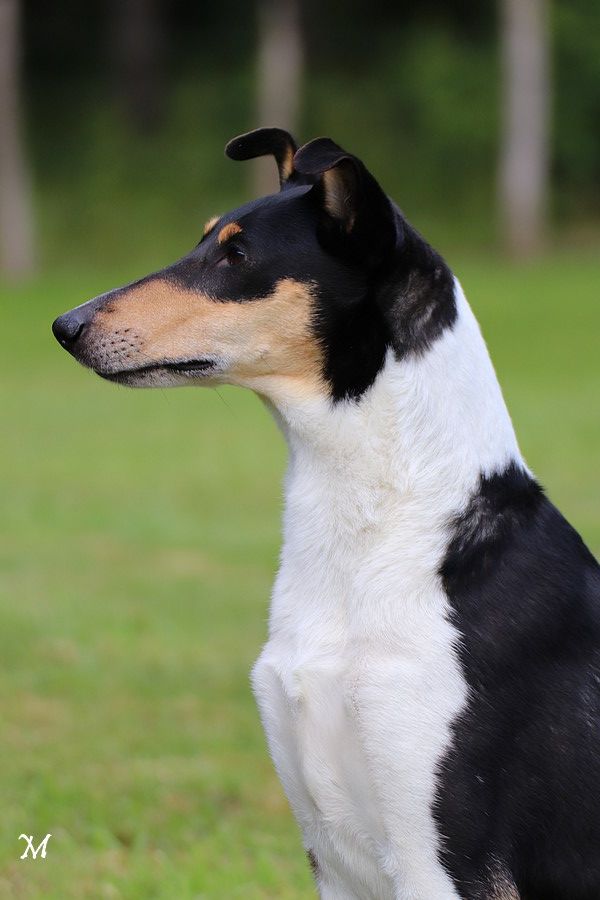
{"x": 140, "y": 530}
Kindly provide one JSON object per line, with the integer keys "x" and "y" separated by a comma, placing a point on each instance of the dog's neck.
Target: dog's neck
{"x": 418, "y": 439}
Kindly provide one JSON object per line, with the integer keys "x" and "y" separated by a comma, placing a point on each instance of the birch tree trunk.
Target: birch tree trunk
{"x": 280, "y": 66}
{"x": 524, "y": 154}
{"x": 16, "y": 219}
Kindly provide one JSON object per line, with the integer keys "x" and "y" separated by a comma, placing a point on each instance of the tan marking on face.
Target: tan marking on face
{"x": 228, "y": 231}
{"x": 208, "y": 226}
{"x": 263, "y": 342}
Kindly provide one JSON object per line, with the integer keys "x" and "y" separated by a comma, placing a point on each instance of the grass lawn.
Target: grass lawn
{"x": 140, "y": 537}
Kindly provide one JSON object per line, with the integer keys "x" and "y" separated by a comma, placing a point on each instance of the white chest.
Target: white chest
{"x": 357, "y": 721}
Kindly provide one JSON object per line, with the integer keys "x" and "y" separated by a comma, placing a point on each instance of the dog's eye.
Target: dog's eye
{"x": 232, "y": 257}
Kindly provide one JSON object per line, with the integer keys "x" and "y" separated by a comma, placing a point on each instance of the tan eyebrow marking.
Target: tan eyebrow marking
{"x": 228, "y": 231}
{"x": 208, "y": 227}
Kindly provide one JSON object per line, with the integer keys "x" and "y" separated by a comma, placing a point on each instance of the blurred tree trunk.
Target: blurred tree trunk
{"x": 16, "y": 220}
{"x": 524, "y": 159}
{"x": 138, "y": 50}
{"x": 280, "y": 64}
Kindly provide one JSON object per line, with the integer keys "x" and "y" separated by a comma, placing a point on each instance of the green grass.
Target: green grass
{"x": 140, "y": 538}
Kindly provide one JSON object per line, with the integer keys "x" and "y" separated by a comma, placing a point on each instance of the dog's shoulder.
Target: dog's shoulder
{"x": 525, "y": 597}
{"x": 519, "y": 577}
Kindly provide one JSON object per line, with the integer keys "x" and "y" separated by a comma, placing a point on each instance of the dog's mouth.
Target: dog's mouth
{"x": 155, "y": 372}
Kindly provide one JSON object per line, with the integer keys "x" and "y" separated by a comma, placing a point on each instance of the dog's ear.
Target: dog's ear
{"x": 266, "y": 142}
{"x": 357, "y": 218}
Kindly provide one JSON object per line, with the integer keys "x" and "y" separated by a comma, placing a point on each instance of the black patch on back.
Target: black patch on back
{"x": 502, "y": 503}
{"x": 520, "y": 785}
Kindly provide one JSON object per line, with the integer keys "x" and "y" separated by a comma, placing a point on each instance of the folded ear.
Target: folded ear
{"x": 358, "y": 218}
{"x": 265, "y": 142}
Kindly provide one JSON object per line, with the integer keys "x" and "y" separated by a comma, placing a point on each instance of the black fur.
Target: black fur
{"x": 262, "y": 142}
{"x": 520, "y": 785}
{"x": 269, "y": 142}
{"x": 417, "y": 297}
{"x": 407, "y": 295}
{"x": 405, "y": 305}
{"x": 356, "y": 220}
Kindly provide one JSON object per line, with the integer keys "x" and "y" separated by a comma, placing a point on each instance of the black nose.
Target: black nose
{"x": 68, "y": 327}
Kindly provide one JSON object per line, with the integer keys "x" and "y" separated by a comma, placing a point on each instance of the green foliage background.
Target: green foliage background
{"x": 412, "y": 88}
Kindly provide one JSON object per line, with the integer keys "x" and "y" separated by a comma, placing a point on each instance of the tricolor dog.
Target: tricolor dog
{"x": 430, "y": 687}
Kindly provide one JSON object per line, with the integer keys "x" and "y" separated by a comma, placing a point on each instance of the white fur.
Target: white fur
{"x": 359, "y": 682}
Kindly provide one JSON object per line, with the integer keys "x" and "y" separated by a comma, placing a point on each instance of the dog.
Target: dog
{"x": 430, "y": 687}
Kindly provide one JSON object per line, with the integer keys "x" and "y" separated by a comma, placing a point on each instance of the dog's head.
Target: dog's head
{"x": 295, "y": 291}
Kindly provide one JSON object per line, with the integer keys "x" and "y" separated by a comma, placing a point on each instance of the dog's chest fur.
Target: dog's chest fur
{"x": 357, "y": 716}
{"x": 359, "y": 682}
